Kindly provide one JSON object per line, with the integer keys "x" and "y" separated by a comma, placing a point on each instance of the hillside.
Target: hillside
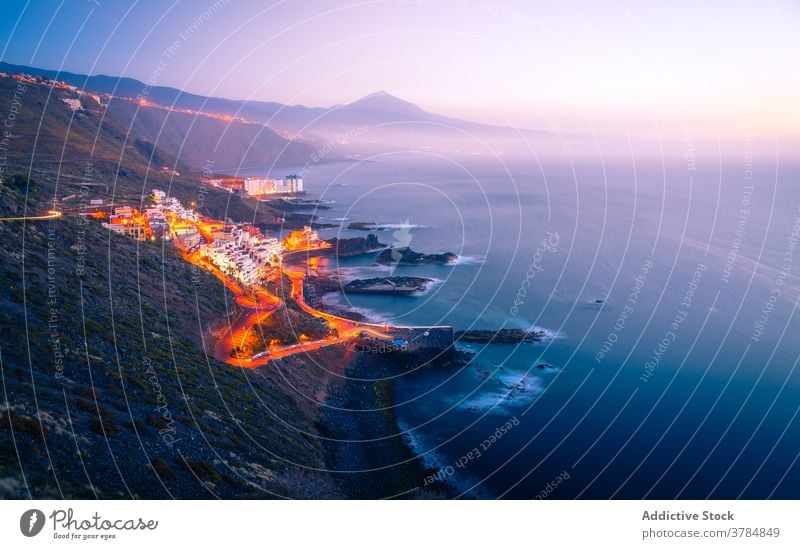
{"x": 195, "y": 139}
{"x": 75, "y": 147}
{"x": 109, "y": 387}
{"x": 375, "y": 123}
{"x": 107, "y": 390}
{"x": 93, "y": 153}
{"x": 200, "y": 140}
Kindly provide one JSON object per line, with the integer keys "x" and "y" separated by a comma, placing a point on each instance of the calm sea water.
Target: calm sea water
{"x": 669, "y": 295}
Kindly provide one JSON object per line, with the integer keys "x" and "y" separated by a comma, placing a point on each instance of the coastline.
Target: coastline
{"x": 367, "y": 453}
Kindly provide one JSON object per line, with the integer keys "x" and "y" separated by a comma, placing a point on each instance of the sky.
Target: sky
{"x": 729, "y": 67}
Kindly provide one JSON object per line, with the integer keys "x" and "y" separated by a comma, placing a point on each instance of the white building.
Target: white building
{"x": 174, "y": 205}
{"x": 234, "y": 261}
{"x": 256, "y": 185}
{"x": 294, "y": 183}
{"x": 244, "y": 254}
{"x": 74, "y": 104}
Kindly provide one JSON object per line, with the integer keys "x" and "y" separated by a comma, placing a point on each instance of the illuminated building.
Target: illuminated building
{"x": 294, "y": 183}
{"x": 242, "y": 252}
{"x": 256, "y": 186}
{"x": 128, "y": 222}
{"x": 74, "y": 104}
{"x": 307, "y": 238}
{"x": 187, "y": 237}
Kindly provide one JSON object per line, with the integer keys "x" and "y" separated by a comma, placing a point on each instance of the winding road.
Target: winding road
{"x": 263, "y": 304}
{"x": 51, "y": 214}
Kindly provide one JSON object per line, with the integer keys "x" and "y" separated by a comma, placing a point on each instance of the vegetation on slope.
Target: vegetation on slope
{"x": 108, "y": 391}
{"x": 91, "y": 154}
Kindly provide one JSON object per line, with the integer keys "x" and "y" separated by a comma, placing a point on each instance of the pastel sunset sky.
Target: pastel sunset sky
{"x": 729, "y": 67}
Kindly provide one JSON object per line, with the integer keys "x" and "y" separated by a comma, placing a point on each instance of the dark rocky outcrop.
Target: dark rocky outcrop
{"x": 503, "y": 335}
{"x": 396, "y": 285}
{"x": 407, "y": 256}
{"x": 344, "y": 247}
{"x": 362, "y": 439}
{"x": 364, "y": 226}
{"x": 293, "y": 205}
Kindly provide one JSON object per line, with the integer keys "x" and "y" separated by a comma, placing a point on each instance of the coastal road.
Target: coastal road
{"x": 51, "y": 214}
{"x": 345, "y": 327}
{"x": 236, "y": 333}
{"x": 255, "y": 308}
{"x": 258, "y": 306}
{"x": 281, "y": 352}
{"x": 346, "y": 330}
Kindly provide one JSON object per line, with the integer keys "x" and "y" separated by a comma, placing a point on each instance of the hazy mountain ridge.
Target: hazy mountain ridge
{"x": 202, "y": 141}
{"x": 197, "y": 140}
{"x": 378, "y": 122}
{"x": 65, "y": 150}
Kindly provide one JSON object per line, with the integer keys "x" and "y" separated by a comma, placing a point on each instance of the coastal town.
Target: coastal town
{"x": 246, "y": 260}
{"x": 250, "y": 263}
{"x": 239, "y": 250}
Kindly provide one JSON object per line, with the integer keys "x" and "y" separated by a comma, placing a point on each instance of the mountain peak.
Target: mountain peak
{"x": 386, "y": 102}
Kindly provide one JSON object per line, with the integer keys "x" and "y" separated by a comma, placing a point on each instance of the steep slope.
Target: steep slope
{"x": 50, "y": 136}
{"x": 107, "y": 391}
{"x": 93, "y": 155}
{"x": 282, "y": 116}
{"x": 195, "y": 138}
{"x": 200, "y": 140}
{"x": 240, "y": 138}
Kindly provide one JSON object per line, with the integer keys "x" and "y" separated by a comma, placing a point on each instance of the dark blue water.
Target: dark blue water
{"x": 699, "y": 259}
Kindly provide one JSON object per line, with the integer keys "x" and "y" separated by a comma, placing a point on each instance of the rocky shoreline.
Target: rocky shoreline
{"x": 346, "y": 247}
{"x": 393, "y": 285}
{"x": 294, "y": 204}
{"x": 503, "y": 335}
{"x": 407, "y": 256}
{"x": 363, "y": 435}
{"x": 365, "y": 226}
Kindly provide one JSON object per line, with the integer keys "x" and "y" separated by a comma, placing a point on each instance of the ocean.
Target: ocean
{"x": 668, "y": 292}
